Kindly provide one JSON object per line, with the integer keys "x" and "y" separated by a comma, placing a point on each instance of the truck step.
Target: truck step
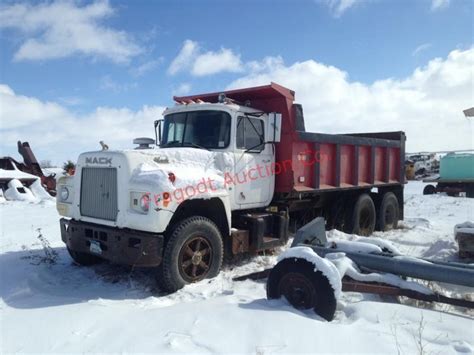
{"x": 270, "y": 243}
{"x": 259, "y": 231}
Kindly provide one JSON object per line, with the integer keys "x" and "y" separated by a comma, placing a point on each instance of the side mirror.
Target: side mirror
{"x": 158, "y": 131}
{"x": 273, "y": 132}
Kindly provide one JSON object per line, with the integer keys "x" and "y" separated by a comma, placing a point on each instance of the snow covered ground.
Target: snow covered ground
{"x": 48, "y": 304}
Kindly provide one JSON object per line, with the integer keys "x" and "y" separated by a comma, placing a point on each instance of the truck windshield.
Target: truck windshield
{"x": 199, "y": 129}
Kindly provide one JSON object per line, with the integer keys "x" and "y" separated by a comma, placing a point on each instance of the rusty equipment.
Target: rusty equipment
{"x": 302, "y": 290}
{"x": 31, "y": 166}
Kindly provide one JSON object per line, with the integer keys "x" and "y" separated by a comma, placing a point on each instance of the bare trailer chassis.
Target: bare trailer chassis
{"x": 302, "y": 291}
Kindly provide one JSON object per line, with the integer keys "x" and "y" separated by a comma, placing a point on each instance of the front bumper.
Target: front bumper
{"x": 120, "y": 246}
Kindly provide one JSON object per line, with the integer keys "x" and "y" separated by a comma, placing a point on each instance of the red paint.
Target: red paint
{"x": 347, "y": 161}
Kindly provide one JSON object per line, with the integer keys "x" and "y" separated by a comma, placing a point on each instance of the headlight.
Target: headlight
{"x": 145, "y": 203}
{"x": 64, "y": 193}
{"x": 140, "y": 201}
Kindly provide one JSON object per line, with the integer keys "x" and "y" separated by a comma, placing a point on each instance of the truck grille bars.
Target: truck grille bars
{"x": 99, "y": 193}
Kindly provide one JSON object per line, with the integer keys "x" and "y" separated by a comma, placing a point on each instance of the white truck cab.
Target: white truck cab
{"x": 128, "y": 206}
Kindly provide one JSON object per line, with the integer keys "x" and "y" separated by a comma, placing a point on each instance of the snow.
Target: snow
{"x": 193, "y": 170}
{"x": 34, "y": 193}
{"x": 13, "y": 192}
{"x": 465, "y": 228}
{"x": 48, "y": 304}
{"x": 354, "y": 246}
{"x": 326, "y": 267}
{"x": 347, "y": 267}
{"x": 16, "y": 174}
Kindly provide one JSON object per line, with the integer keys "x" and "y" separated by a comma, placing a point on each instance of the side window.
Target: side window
{"x": 175, "y": 128}
{"x": 250, "y": 134}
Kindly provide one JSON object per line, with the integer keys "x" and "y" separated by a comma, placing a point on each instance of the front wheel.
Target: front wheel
{"x": 193, "y": 252}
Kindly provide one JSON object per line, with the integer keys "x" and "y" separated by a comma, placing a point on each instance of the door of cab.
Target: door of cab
{"x": 254, "y": 181}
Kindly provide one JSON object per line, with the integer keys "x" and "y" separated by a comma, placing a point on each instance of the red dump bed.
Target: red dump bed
{"x": 315, "y": 162}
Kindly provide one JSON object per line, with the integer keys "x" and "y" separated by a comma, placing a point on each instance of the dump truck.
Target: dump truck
{"x": 231, "y": 172}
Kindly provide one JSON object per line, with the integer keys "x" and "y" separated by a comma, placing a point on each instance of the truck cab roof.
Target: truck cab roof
{"x": 229, "y": 106}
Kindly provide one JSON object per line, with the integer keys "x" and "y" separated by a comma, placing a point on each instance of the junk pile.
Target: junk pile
{"x": 25, "y": 181}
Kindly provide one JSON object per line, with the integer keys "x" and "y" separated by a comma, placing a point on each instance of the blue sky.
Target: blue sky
{"x": 84, "y": 56}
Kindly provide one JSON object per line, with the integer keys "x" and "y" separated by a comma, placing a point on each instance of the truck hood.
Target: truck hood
{"x": 190, "y": 166}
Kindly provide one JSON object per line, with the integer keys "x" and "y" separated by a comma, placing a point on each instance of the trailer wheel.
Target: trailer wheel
{"x": 84, "y": 258}
{"x": 387, "y": 214}
{"x": 429, "y": 190}
{"x": 360, "y": 219}
{"x": 302, "y": 286}
{"x": 194, "y": 252}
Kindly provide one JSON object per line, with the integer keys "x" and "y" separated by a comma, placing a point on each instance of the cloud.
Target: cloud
{"x": 182, "y": 89}
{"x": 62, "y": 29}
{"x": 57, "y": 133}
{"x": 421, "y": 48}
{"x": 427, "y": 105}
{"x": 223, "y": 60}
{"x": 265, "y": 64}
{"x": 71, "y": 100}
{"x": 191, "y": 58}
{"x": 146, "y": 67}
{"x": 338, "y": 7}
{"x": 108, "y": 84}
{"x": 439, "y": 4}
{"x": 185, "y": 57}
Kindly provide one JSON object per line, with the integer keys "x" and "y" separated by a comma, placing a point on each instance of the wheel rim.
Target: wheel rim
{"x": 195, "y": 259}
{"x": 365, "y": 222}
{"x": 429, "y": 190}
{"x": 389, "y": 217}
{"x": 298, "y": 290}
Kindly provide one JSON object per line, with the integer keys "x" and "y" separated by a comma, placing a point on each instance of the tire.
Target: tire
{"x": 84, "y": 258}
{"x": 302, "y": 286}
{"x": 388, "y": 212}
{"x": 193, "y": 252}
{"x": 361, "y": 218}
{"x": 429, "y": 190}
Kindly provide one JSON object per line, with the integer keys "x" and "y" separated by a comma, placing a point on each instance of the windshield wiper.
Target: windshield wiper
{"x": 169, "y": 144}
{"x": 194, "y": 145}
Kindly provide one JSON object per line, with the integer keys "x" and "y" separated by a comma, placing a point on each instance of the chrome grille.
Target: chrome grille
{"x": 99, "y": 193}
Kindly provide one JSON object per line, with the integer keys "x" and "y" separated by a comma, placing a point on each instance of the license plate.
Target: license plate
{"x": 95, "y": 247}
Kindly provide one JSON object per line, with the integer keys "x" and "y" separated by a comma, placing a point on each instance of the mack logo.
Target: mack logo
{"x": 100, "y": 160}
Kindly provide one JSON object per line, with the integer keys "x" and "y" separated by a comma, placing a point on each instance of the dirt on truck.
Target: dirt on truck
{"x": 232, "y": 172}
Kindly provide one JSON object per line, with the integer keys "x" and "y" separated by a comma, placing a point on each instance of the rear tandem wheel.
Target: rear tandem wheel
{"x": 361, "y": 218}
{"x": 388, "y": 212}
